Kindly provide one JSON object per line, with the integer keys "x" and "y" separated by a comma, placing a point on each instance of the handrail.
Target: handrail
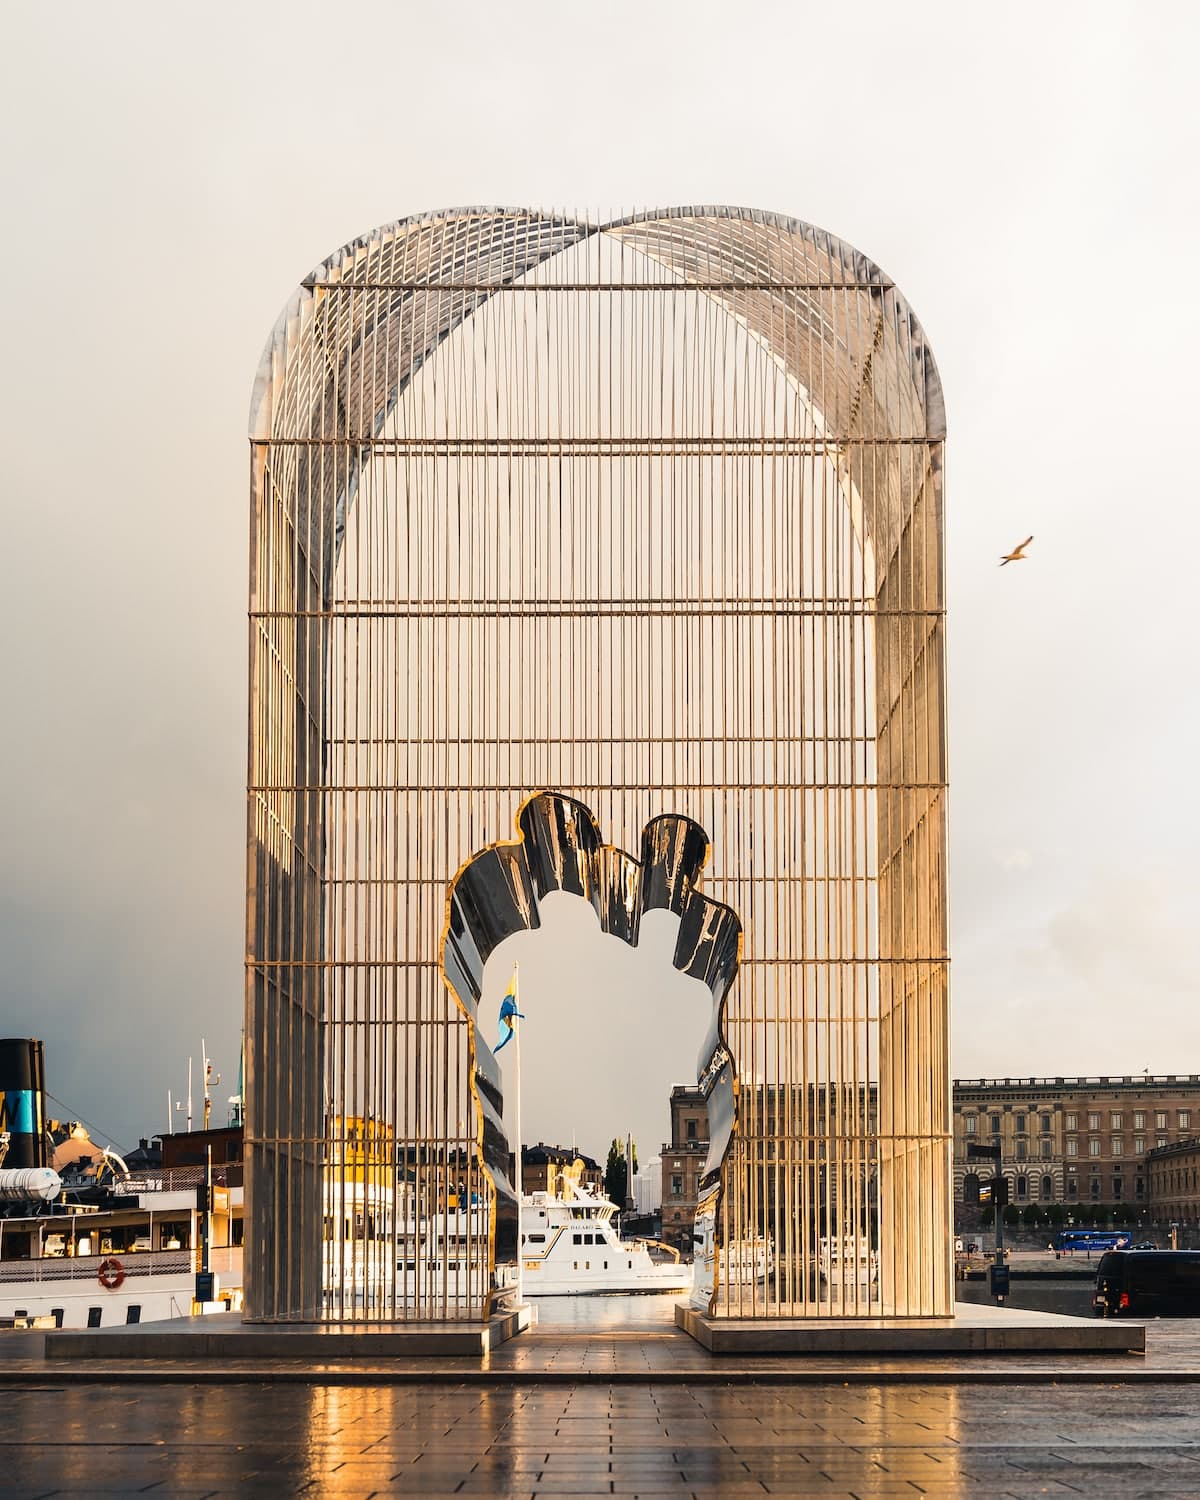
{"x": 87, "y": 1267}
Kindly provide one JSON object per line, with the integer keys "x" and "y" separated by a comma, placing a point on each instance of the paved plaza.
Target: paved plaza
{"x": 594, "y": 1439}
{"x": 588, "y": 1410}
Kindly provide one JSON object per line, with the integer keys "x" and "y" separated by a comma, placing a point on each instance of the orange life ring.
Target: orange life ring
{"x": 111, "y": 1273}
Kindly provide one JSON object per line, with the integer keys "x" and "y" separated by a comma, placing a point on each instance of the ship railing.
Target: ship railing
{"x": 171, "y": 1179}
{"x": 87, "y": 1267}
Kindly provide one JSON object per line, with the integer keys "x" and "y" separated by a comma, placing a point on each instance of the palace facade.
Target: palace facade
{"x": 1071, "y": 1140}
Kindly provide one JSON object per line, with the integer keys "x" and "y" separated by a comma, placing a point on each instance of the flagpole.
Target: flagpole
{"x": 517, "y": 1125}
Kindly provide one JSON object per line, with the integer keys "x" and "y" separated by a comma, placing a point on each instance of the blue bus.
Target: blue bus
{"x": 1093, "y": 1239}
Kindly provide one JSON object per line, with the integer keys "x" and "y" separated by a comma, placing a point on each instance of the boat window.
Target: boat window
{"x": 537, "y": 1239}
{"x": 93, "y": 1317}
{"x": 57, "y": 1314}
{"x": 606, "y": 1265}
{"x": 577, "y": 1238}
{"x": 631, "y": 1265}
{"x": 133, "y": 1313}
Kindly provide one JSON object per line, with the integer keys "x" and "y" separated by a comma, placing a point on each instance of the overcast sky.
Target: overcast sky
{"x": 1027, "y": 174}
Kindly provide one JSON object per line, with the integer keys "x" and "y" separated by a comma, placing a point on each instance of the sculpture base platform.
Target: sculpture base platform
{"x": 223, "y": 1336}
{"x": 972, "y": 1330}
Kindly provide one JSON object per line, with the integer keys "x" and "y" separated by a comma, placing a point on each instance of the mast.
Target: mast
{"x": 517, "y": 1128}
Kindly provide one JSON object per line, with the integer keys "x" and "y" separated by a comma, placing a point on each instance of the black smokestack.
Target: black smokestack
{"x": 22, "y": 1105}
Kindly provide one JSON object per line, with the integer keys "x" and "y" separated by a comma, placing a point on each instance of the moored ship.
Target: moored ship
{"x": 571, "y": 1248}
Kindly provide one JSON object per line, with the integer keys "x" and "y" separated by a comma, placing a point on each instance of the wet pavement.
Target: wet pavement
{"x": 865, "y": 1441}
{"x": 607, "y": 1398}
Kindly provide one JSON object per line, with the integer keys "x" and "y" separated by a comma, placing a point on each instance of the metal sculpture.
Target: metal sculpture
{"x": 648, "y": 511}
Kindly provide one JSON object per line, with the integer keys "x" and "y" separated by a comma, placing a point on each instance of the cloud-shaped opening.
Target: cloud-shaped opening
{"x": 559, "y": 848}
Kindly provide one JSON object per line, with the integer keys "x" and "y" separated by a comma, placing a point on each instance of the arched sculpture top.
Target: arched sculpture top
{"x": 365, "y": 321}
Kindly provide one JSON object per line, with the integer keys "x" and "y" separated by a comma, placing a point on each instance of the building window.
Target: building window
{"x": 969, "y": 1123}
{"x": 1139, "y": 1187}
{"x": 1095, "y": 1190}
{"x": 1118, "y": 1145}
{"x": 1094, "y": 1145}
{"x": 1118, "y": 1189}
{"x": 1022, "y": 1187}
{"x": 1094, "y": 1119}
{"x": 1185, "y": 1119}
{"x": 1047, "y": 1188}
{"x": 1072, "y": 1146}
{"x": 1022, "y": 1150}
{"x": 1160, "y": 1120}
{"x": 995, "y": 1124}
{"x": 1139, "y": 1145}
{"x": 1114, "y": 1120}
{"x": 1047, "y": 1148}
{"x": 1139, "y": 1119}
{"x": 677, "y": 1186}
{"x": 971, "y": 1188}
{"x": 1020, "y": 1123}
{"x": 1072, "y": 1122}
{"x": 1160, "y": 1140}
{"x": 1045, "y": 1124}
{"x": 1072, "y": 1187}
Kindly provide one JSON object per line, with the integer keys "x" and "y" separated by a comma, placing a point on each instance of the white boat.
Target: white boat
{"x": 571, "y": 1248}
{"x": 126, "y": 1252}
{"x": 744, "y": 1263}
{"x": 848, "y": 1260}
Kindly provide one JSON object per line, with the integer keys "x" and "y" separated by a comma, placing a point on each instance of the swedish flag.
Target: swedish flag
{"x": 509, "y": 1012}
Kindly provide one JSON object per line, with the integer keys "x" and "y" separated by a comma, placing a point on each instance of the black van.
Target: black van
{"x": 1148, "y": 1284}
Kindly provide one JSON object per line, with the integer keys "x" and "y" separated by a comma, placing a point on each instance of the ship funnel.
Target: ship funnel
{"x": 22, "y": 1105}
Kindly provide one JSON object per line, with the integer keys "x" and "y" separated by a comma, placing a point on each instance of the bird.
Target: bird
{"x": 1017, "y": 554}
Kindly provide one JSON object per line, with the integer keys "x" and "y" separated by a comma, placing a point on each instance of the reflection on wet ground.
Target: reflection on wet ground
{"x": 1073, "y": 1298}
{"x": 608, "y": 1313}
{"x": 826, "y": 1440}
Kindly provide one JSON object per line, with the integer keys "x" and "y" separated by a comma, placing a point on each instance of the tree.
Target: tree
{"x": 1056, "y": 1214}
{"x": 616, "y": 1174}
{"x": 1032, "y": 1216}
{"x": 1124, "y": 1213}
{"x": 1012, "y": 1215}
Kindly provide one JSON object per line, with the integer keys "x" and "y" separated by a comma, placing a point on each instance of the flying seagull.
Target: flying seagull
{"x": 1017, "y": 554}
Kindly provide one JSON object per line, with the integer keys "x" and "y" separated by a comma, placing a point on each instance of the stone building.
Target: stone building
{"x": 683, "y": 1158}
{"x": 843, "y": 1192}
{"x": 547, "y": 1169}
{"x": 1071, "y": 1140}
{"x": 1173, "y": 1181}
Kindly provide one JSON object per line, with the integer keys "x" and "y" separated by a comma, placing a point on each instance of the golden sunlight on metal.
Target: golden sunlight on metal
{"x": 648, "y": 511}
